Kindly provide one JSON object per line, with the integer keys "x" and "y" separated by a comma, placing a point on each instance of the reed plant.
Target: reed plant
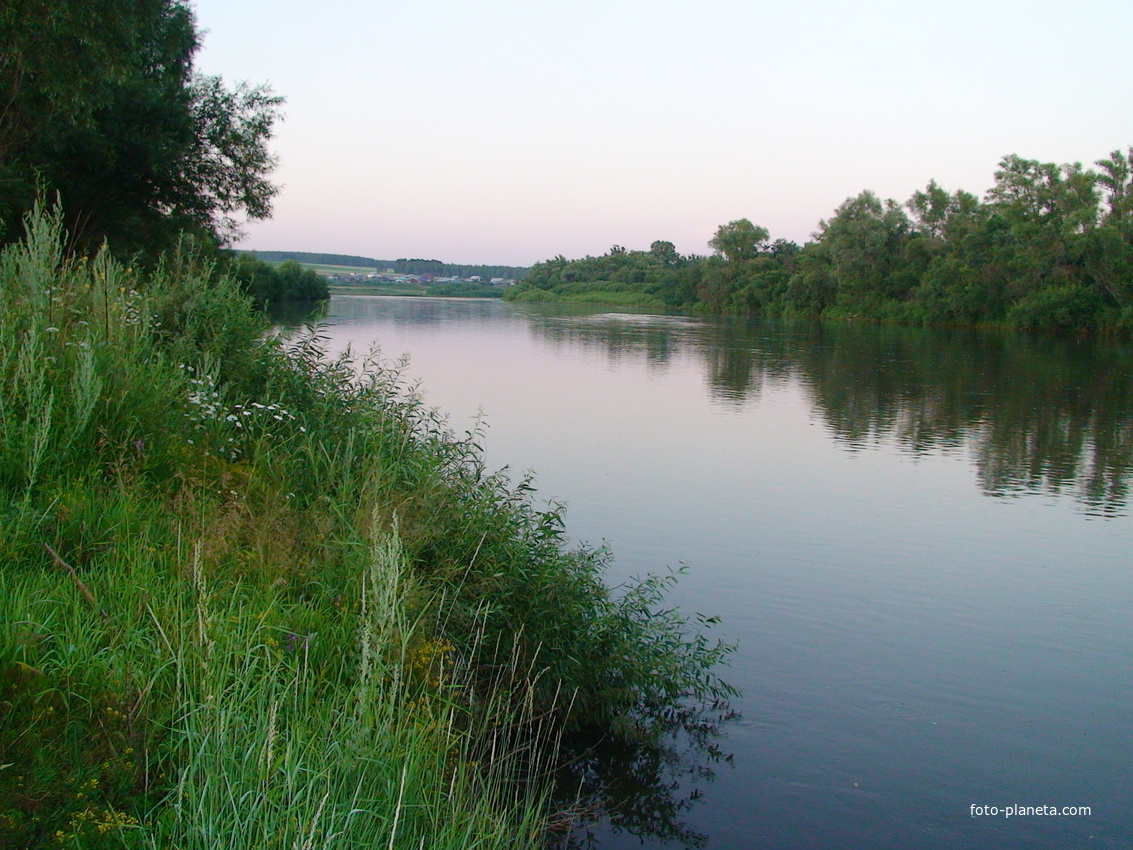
{"x": 255, "y": 596}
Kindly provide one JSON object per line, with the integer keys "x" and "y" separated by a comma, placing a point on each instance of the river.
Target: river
{"x": 920, "y": 542}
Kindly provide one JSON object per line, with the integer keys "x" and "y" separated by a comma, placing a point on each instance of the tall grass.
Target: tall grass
{"x": 254, "y": 596}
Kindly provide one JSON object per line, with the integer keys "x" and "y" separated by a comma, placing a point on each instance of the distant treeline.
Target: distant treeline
{"x": 401, "y": 266}
{"x": 318, "y": 259}
{"x": 1049, "y": 247}
{"x": 436, "y": 267}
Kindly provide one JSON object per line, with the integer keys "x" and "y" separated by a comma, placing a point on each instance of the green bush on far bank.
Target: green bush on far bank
{"x": 269, "y": 283}
{"x": 254, "y": 596}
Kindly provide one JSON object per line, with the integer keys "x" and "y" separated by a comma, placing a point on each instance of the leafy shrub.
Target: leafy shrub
{"x": 1068, "y": 307}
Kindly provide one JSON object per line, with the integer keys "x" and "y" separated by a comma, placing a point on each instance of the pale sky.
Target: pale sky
{"x": 509, "y": 131}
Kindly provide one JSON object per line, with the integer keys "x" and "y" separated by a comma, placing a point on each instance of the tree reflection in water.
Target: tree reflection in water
{"x": 642, "y": 789}
{"x": 1037, "y": 414}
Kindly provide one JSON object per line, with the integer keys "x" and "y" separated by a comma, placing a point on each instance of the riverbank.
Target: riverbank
{"x": 251, "y": 592}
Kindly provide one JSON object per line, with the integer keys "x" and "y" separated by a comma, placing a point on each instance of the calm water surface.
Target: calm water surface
{"x": 920, "y": 541}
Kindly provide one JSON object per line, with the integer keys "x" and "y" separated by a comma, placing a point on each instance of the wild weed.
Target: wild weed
{"x": 254, "y": 596}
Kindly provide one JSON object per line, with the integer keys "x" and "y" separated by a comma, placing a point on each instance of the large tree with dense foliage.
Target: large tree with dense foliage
{"x": 739, "y": 240}
{"x": 100, "y": 105}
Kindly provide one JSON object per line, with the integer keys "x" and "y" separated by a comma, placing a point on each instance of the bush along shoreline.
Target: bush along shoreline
{"x": 252, "y": 596}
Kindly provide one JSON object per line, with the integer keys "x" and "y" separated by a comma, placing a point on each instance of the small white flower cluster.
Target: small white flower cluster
{"x": 205, "y": 397}
{"x": 240, "y": 422}
{"x": 254, "y": 418}
{"x": 257, "y": 413}
{"x": 133, "y": 307}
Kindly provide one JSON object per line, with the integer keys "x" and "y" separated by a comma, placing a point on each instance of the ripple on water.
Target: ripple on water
{"x": 879, "y": 697}
{"x": 904, "y": 711}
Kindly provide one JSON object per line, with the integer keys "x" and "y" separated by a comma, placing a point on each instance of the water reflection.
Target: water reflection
{"x": 1038, "y": 414}
{"x": 641, "y": 790}
{"x": 296, "y": 314}
{"x": 657, "y": 338}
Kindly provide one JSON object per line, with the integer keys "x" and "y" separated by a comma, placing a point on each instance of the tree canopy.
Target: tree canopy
{"x": 739, "y": 240}
{"x": 1048, "y": 247}
{"x": 100, "y": 106}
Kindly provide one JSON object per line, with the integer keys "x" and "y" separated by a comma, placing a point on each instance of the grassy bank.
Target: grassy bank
{"x": 254, "y": 597}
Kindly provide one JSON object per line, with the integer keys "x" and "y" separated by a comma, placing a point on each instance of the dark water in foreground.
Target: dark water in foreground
{"x": 921, "y": 542}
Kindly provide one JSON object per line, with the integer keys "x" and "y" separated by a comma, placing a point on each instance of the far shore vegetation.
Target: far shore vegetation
{"x": 429, "y": 269}
{"x": 345, "y": 274}
{"x": 1050, "y": 247}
